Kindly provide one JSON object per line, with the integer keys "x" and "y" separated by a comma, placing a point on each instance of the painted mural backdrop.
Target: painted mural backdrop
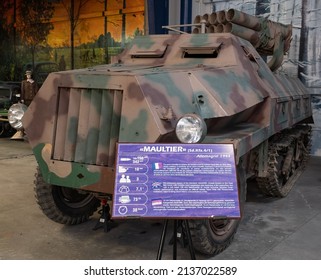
{"x": 102, "y": 29}
{"x": 90, "y": 35}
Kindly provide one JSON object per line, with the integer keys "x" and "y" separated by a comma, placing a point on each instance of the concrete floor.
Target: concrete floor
{"x": 272, "y": 229}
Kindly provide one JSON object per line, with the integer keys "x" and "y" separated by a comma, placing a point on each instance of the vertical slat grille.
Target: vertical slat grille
{"x": 87, "y": 125}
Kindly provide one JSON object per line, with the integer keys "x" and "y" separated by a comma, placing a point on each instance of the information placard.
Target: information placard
{"x": 175, "y": 181}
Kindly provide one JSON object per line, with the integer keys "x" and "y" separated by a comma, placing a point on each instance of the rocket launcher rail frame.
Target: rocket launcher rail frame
{"x": 268, "y": 37}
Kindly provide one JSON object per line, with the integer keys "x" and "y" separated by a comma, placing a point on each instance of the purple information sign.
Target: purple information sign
{"x": 176, "y": 180}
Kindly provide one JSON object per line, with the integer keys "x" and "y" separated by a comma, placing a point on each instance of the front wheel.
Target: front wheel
{"x": 6, "y": 130}
{"x": 212, "y": 236}
{"x": 64, "y": 205}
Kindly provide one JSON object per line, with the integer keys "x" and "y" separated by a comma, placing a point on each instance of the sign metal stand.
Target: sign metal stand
{"x": 177, "y": 223}
{"x": 104, "y": 221}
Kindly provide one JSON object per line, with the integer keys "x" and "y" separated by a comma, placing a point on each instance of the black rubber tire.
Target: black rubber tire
{"x": 212, "y": 236}
{"x": 6, "y": 130}
{"x": 64, "y": 205}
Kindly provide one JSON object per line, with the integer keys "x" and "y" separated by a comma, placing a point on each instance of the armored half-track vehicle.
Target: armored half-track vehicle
{"x": 216, "y": 75}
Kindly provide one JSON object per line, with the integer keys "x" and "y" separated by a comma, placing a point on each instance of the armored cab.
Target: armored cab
{"x": 211, "y": 86}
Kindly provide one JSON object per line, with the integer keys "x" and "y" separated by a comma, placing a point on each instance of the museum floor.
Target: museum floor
{"x": 272, "y": 229}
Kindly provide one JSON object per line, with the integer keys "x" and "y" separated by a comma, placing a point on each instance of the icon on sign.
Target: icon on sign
{"x": 157, "y": 185}
{"x": 157, "y": 165}
{"x": 123, "y": 189}
{"x": 125, "y": 159}
{"x": 124, "y": 199}
{"x": 122, "y": 169}
{"x": 124, "y": 179}
{"x": 157, "y": 202}
{"x": 122, "y": 210}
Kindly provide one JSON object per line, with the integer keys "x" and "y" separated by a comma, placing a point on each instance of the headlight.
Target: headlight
{"x": 15, "y": 114}
{"x": 191, "y": 129}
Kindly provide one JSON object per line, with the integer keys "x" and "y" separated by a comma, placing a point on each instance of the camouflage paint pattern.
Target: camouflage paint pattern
{"x": 78, "y": 116}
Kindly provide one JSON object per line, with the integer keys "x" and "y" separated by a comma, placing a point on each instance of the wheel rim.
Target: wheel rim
{"x": 72, "y": 198}
{"x": 221, "y": 226}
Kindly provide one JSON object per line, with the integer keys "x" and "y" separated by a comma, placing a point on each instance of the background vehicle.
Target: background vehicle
{"x": 9, "y": 94}
{"x": 78, "y": 116}
{"x": 41, "y": 70}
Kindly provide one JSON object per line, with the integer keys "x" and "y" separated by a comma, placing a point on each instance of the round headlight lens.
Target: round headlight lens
{"x": 15, "y": 114}
{"x": 191, "y": 129}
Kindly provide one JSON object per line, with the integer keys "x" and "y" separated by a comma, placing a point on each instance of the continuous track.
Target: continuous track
{"x": 288, "y": 153}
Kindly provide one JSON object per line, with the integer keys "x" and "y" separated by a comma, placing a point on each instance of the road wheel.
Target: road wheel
{"x": 6, "y": 130}
{"x": 64, "y": 205}
{"x": 212, "y": 236}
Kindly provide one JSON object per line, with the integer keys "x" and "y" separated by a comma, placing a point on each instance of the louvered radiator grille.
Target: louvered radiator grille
{"x": 87, "y": 125}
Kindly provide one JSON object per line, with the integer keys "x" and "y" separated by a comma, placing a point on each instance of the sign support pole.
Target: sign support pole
{"x": 189, "y": 239}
